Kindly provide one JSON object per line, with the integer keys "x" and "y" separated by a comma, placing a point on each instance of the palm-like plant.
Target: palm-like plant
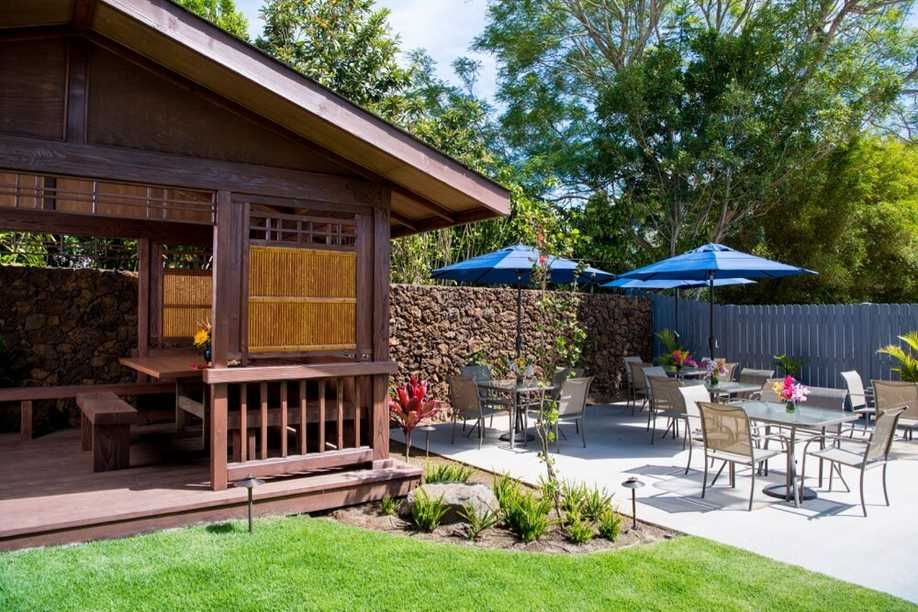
{"x": 907, "y": 357}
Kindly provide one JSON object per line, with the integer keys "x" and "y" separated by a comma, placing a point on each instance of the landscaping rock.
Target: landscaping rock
{"x": 455, "y": 495}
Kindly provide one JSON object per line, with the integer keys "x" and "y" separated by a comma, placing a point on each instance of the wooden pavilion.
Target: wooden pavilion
{"x": 136, "y": 119}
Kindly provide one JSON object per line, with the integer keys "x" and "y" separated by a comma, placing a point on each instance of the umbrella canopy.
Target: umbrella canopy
{"x": 513, "y": 266}
{"x": 632, "y": 283}
{"x": 707, "y": 264}
{"x": 714, "y": 261}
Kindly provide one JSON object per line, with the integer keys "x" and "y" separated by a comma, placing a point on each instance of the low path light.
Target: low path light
{"x": 427, "y": 429}
{"x": 249, "y": 483}
{"x": 634, "y": 484}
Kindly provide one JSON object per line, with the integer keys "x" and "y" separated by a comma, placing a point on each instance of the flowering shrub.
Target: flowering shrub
{"x": 714, "y": 368}
{"x": 409, "y": 406}
{"x": 789, "y": 390}
{"x": 682, "y": 358}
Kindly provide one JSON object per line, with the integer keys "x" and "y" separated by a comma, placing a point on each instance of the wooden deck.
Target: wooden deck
{"x": 50, "y": 495}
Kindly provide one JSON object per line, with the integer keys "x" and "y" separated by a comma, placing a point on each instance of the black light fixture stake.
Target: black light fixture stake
{"x": 634, "y": 484}
{"x": 249, "y": 484}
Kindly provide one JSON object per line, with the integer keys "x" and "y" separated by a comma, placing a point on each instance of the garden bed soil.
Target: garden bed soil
{"x": 369, "y": 516}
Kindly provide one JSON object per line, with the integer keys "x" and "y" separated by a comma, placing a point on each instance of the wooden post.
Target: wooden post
{"x": 379, "y": 420}
{"x": 143, "y": 297}
{"x": 218, "y": 437}
{"x": 227, "y": 258}
{"x": 25, "y": 420}
{"x": 156, "y": 293}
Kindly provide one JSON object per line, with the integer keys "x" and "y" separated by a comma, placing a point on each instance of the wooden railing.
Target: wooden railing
{"x": 250, "y": 406}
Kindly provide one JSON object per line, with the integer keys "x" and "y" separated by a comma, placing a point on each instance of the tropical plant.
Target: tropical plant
{"x": 596, "y": 502}
{"x": 609, "y": 525}
{"x": 388, "y": 505}
{"x": 507, "y": 491}
{"x": 907, "y": 357}
{"x": 478, "y": 522}
{"x": 788, "y": 366}
{"x": 573, "y": 495}
{"x": 427, "y": 512}
{"x": 528, "y": 516}
{"x": 447, "y": 472}
{"x": 409, "y": 406}
{"x": 578, "y": 529}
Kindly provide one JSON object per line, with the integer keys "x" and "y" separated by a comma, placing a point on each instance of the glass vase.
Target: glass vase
{"x": 790, "y": 406}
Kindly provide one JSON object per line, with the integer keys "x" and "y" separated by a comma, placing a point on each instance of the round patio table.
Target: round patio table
{"x": 525, "y": 393}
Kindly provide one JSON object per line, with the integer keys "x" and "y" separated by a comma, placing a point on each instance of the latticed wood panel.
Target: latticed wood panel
{"x": 301, "y": 300}
{"x": 187, "y": 296}
{"x": 85, "y": 196}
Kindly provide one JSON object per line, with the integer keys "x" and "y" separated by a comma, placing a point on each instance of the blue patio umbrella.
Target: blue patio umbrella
{"x": 513, "y": 265}
{"x": 629, "y": 283}
{"x": 709, "y": 263}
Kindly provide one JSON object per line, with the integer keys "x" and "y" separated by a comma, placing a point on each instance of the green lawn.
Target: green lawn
{"x": 314, "y": 563}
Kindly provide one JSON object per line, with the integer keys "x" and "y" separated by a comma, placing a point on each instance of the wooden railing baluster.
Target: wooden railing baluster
{"x": 283, "y": 417}
{"x": 357, "y": 383}
{"x": 218, "y": 437}
{"x": 243, "y": 422}
{"x": 25, "y": 420}
{"x": 264, "y": 421}
{"x": 339, "y": 400}
{"x": 304, "y": 422}
{"x": 321, "y": 416}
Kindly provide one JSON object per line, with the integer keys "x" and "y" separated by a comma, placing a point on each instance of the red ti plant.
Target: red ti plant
{"x": 409, "y": 406}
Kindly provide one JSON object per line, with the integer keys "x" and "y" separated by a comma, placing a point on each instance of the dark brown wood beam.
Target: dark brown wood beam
{"x": 117, "y": 163}
{"x": 77, "y": 102}
{"x": 83, "y": 13}
{"x": 430, "y": 224}
{"x": 53, "y": 222}
{"x": 228, "y": 272}
{"x": 403, "y": 221}
{"x": 426, "y": 204}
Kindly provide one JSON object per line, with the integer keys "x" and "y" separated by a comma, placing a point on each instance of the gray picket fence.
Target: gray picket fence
{"x": 828, "y": 338}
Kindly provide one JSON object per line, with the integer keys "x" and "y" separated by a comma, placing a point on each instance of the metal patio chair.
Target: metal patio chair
{"x": 857, "y": 453}
{"x": 728, "y": 437}
{"x": 692, "y": 395}
{"x": 468, "y": 406}
{"x": 638, "y": 383}
{"x": 665, "y": 401}
{"x": 895, "y": 393}
{"x": 860, "y": 399}
{"x": 572, "y": 403}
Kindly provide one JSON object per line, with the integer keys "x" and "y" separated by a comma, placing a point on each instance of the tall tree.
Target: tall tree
{"x": 690, "y": 117}
{"x": 222, "y": 13}
{"x": 345, "y": 45}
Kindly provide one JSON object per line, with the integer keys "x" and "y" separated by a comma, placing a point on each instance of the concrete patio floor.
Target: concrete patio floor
{"x": 829, "y": 534}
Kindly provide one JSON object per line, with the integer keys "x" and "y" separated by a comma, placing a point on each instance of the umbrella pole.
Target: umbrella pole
{"x": 711, "y": 341}
{"x": 676, "y": 326}
{"x": 519, "y": 315}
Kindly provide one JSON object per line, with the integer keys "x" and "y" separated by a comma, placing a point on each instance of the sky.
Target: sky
{"x": 444, "y": 28}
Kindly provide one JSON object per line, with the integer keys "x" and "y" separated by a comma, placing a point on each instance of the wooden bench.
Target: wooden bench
{"x": 106, "y": 425}
{"x": 26, "y": 395}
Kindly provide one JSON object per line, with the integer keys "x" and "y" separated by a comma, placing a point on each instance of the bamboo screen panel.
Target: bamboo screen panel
{"x": 187, "y": 296}
{"x": 301, "y": 300}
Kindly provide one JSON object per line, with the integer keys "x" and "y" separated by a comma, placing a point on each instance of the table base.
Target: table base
{"x": 781, "y": 492}
{"x": 517, "y": 437}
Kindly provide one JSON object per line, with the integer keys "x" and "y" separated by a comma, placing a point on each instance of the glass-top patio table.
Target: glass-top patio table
{"x": 730, "y": 388}
{"x": 808, "y": 417}
{"x": 525, "y": 393}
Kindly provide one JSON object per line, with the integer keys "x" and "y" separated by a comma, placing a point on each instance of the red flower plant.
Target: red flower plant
{"x": 409, "y": 406}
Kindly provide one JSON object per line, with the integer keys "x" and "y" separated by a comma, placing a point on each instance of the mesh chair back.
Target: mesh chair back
{"x": 883, "y": 433}
{"x": 825, "y": 397}
{"x": 665, "y": 394}
{"x": 628, "y": 361}
{"x": 726, "y": 428}
{"x": 896, "y": 393}
{"x": 573, "y": 398}
{"x": 855, "y": 389}
{"x": 637, "y": 375}
{"x": 692, "y": 395}
{"x": 654, "y": 371}
{"x": 463, "y": 393}
{"x": 755, "y": 377}
{"x": 731, "y": 370}
{"x": 478, "y": 373}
